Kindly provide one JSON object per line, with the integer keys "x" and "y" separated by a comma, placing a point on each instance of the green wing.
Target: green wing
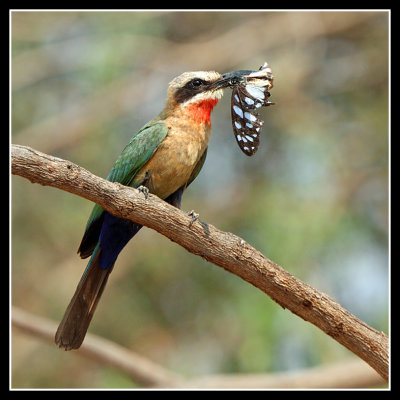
{"x": 138, "y": 151}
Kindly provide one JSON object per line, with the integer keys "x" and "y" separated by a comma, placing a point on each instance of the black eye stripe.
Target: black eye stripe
{"x": 190, "y": 89}
{"x": 197, "y": 82}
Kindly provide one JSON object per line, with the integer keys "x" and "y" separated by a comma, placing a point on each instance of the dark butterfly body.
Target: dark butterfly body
{"x": 249, "y": 93}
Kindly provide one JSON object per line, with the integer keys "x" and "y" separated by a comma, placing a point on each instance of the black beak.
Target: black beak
{"x": 235, "y": 77}
{"x": 231, "y": 79}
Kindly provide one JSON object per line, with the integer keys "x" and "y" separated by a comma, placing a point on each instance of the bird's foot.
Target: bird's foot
{"x": 194, "y": 216}
{"x": 144, "y": 190}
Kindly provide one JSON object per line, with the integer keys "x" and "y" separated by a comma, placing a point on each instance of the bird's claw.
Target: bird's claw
{"x": 194, "y": 216}
{"x": 144, "y": 190}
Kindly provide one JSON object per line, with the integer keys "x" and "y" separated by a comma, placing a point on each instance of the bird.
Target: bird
{"x": 162, "y": 158}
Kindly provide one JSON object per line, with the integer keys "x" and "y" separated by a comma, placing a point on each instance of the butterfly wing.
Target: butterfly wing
{"x": 246, "y": 99}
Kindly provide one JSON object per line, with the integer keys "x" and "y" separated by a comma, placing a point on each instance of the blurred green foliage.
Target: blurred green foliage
{"x": 313, "y": 199}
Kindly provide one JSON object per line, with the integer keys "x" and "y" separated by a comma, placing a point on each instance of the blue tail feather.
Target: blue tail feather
{"x": 104, "y": 239}
{"x": 114, "y": 235}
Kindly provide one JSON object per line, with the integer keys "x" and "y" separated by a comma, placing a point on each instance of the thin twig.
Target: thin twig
{"x": 142, "y": 370}
{"x": 221, "y": 248}
{"x": 346, "y": 374}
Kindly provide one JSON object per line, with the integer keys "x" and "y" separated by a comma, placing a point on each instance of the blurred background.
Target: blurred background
{"x": 314, "y": 198}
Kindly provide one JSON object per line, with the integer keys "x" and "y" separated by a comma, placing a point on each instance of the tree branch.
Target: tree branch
{"x": 221, "y": 248}
{"x": 142, "y": 370}
{"x": 346, "y": 374}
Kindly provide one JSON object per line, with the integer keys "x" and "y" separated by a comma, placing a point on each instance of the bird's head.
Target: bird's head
{"x": 195, "y": 94}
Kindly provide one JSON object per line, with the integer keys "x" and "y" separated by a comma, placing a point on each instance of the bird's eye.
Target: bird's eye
{"x": 197, "y": 82}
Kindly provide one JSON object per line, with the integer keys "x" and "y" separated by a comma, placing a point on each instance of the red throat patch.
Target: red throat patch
{"x": 201, "y": 110}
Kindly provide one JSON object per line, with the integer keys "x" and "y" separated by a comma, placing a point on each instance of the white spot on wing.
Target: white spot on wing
{"x": 256, "y": 92}
{"x": 238, "y": 111}
{"x": 248, "y": 100}
{"x": 249, "y": 116}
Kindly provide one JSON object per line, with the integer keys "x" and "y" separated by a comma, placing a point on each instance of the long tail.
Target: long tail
{"x": 114, "y": 234}
{"x": 77, "y": 317}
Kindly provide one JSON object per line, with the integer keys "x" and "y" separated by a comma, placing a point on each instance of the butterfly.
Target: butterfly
{"x": 249, "y": 94}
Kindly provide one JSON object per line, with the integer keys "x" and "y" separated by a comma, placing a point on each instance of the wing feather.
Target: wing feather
{"x": 137, "y": 152}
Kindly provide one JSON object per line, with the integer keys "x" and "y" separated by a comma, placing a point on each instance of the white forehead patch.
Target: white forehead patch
{"x": 184, "y": 78}
{"x": 207, "y": 76}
